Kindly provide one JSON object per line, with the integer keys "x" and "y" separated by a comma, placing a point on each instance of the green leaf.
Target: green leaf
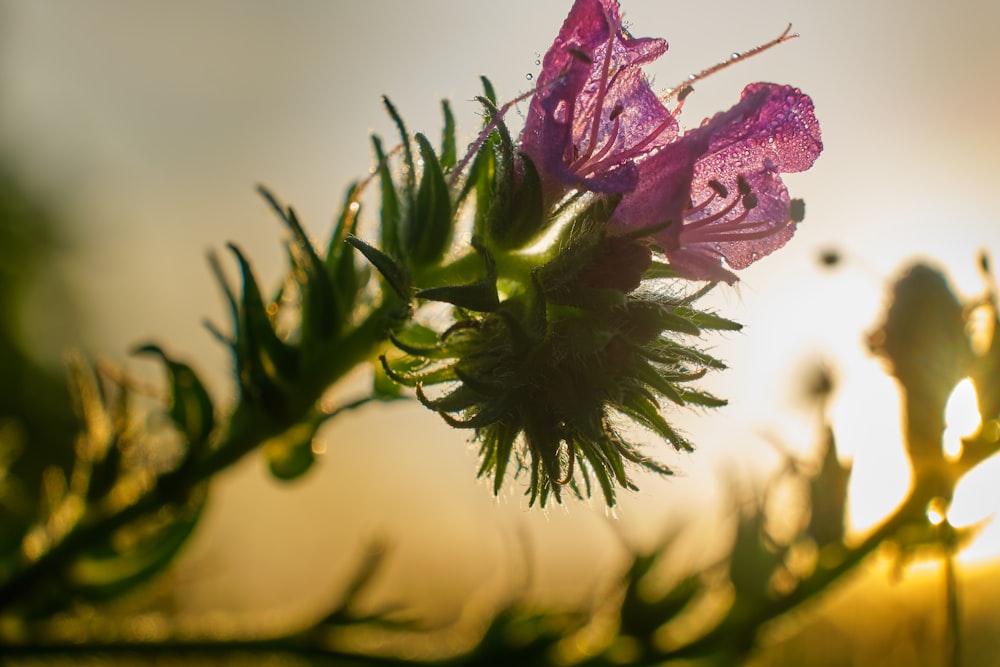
{"x": 602, "y": 468}
{"x": 666, "y": 351}
{"x": 394, "y": 273}
{"x": 431, "y": 224}
{"x": 482, "y": 179}
{"x": 449, "y": 154}
{"x": 504, "y": 175}
{"x": 480, "y": 296}
{"x": 403, "y": 372}
{"x": 457, "y": 400}
{"x": 391, "y": 211}
{"x": 384, "y": 388}
{"x": 418, "y": 340}
{"x": 646, "y": 412}
{"x": 705, "y": 320}
{"x": 702, "y": 398}
{"x": 346, "y": 280}
{"x": 190, "y": 404}
{"x": 657, "y": 381}
{"x": 109, "y": 574}
{"x": 487, "y": 414}
{"x": 488, "y": 91}
{"x": 319, "y": 308}
{"x": 525, "y": 219}
{"x": 496, "y": 451}
{"x": 234, "y": 310}
{"x": 647, "y": 315}
{"x": 269, "y": 364}
{"x": 409, "y": 171}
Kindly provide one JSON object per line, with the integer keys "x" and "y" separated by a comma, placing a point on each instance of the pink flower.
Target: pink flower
{"x": 595, "y": 124}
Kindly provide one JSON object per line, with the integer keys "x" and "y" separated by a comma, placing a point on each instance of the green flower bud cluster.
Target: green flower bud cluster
{"x": 559, "y": 337}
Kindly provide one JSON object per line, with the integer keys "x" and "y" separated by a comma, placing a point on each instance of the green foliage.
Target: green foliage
{"x": 190, "y": 405}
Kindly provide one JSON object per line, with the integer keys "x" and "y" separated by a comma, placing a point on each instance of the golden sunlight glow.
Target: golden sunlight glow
{"x": 881, "y": 475}
{"x": 961, "y": 418}
{"x": 935, "y": 516}
{"x": 868, "y": 431}
{"x": 866, "y": 420}
{"x": 977, "y": 498}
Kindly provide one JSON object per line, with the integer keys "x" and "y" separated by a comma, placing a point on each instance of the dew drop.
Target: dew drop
{"x": 691, "y": 77}
{"x": 538, "y": 61}
{"x": 529, "y": 76}
{"x": 735, "y": 56}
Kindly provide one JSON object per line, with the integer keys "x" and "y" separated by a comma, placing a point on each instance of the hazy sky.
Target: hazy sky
{"x": 150, "y": 123}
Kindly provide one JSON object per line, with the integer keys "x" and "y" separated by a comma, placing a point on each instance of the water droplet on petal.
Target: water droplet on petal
{"x": 529, "y": 76}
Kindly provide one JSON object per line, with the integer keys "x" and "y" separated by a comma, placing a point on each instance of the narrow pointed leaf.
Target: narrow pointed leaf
{"x": 488, "y": 90}
{"x": 431, "y": 224}
{"x": 190, "y": 404}
{"x": 319, "y": 309}
{"x": 394, "y": 273}
{"x": 449, "y": 154}
{"x": 525, "y": 219}
{"x": 645, "y": 411}
{"x": 391, "y": 211}
{"x": 704, "y": 320}
{"x": 270, "y": 359}
{"x": 409, "y": 171}
{"x": 108, "y": 576}
{"x": 343, "y": 273}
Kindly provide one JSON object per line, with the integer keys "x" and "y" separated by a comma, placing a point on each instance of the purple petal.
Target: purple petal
{"x": 594, "y": 111}
{"x": 721, "y": 187}
{"x": 772, "y": 130}
{"x": 663, "y": 191}
{"x": 764, "y": 229}
{"x": 770, "y": 123}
